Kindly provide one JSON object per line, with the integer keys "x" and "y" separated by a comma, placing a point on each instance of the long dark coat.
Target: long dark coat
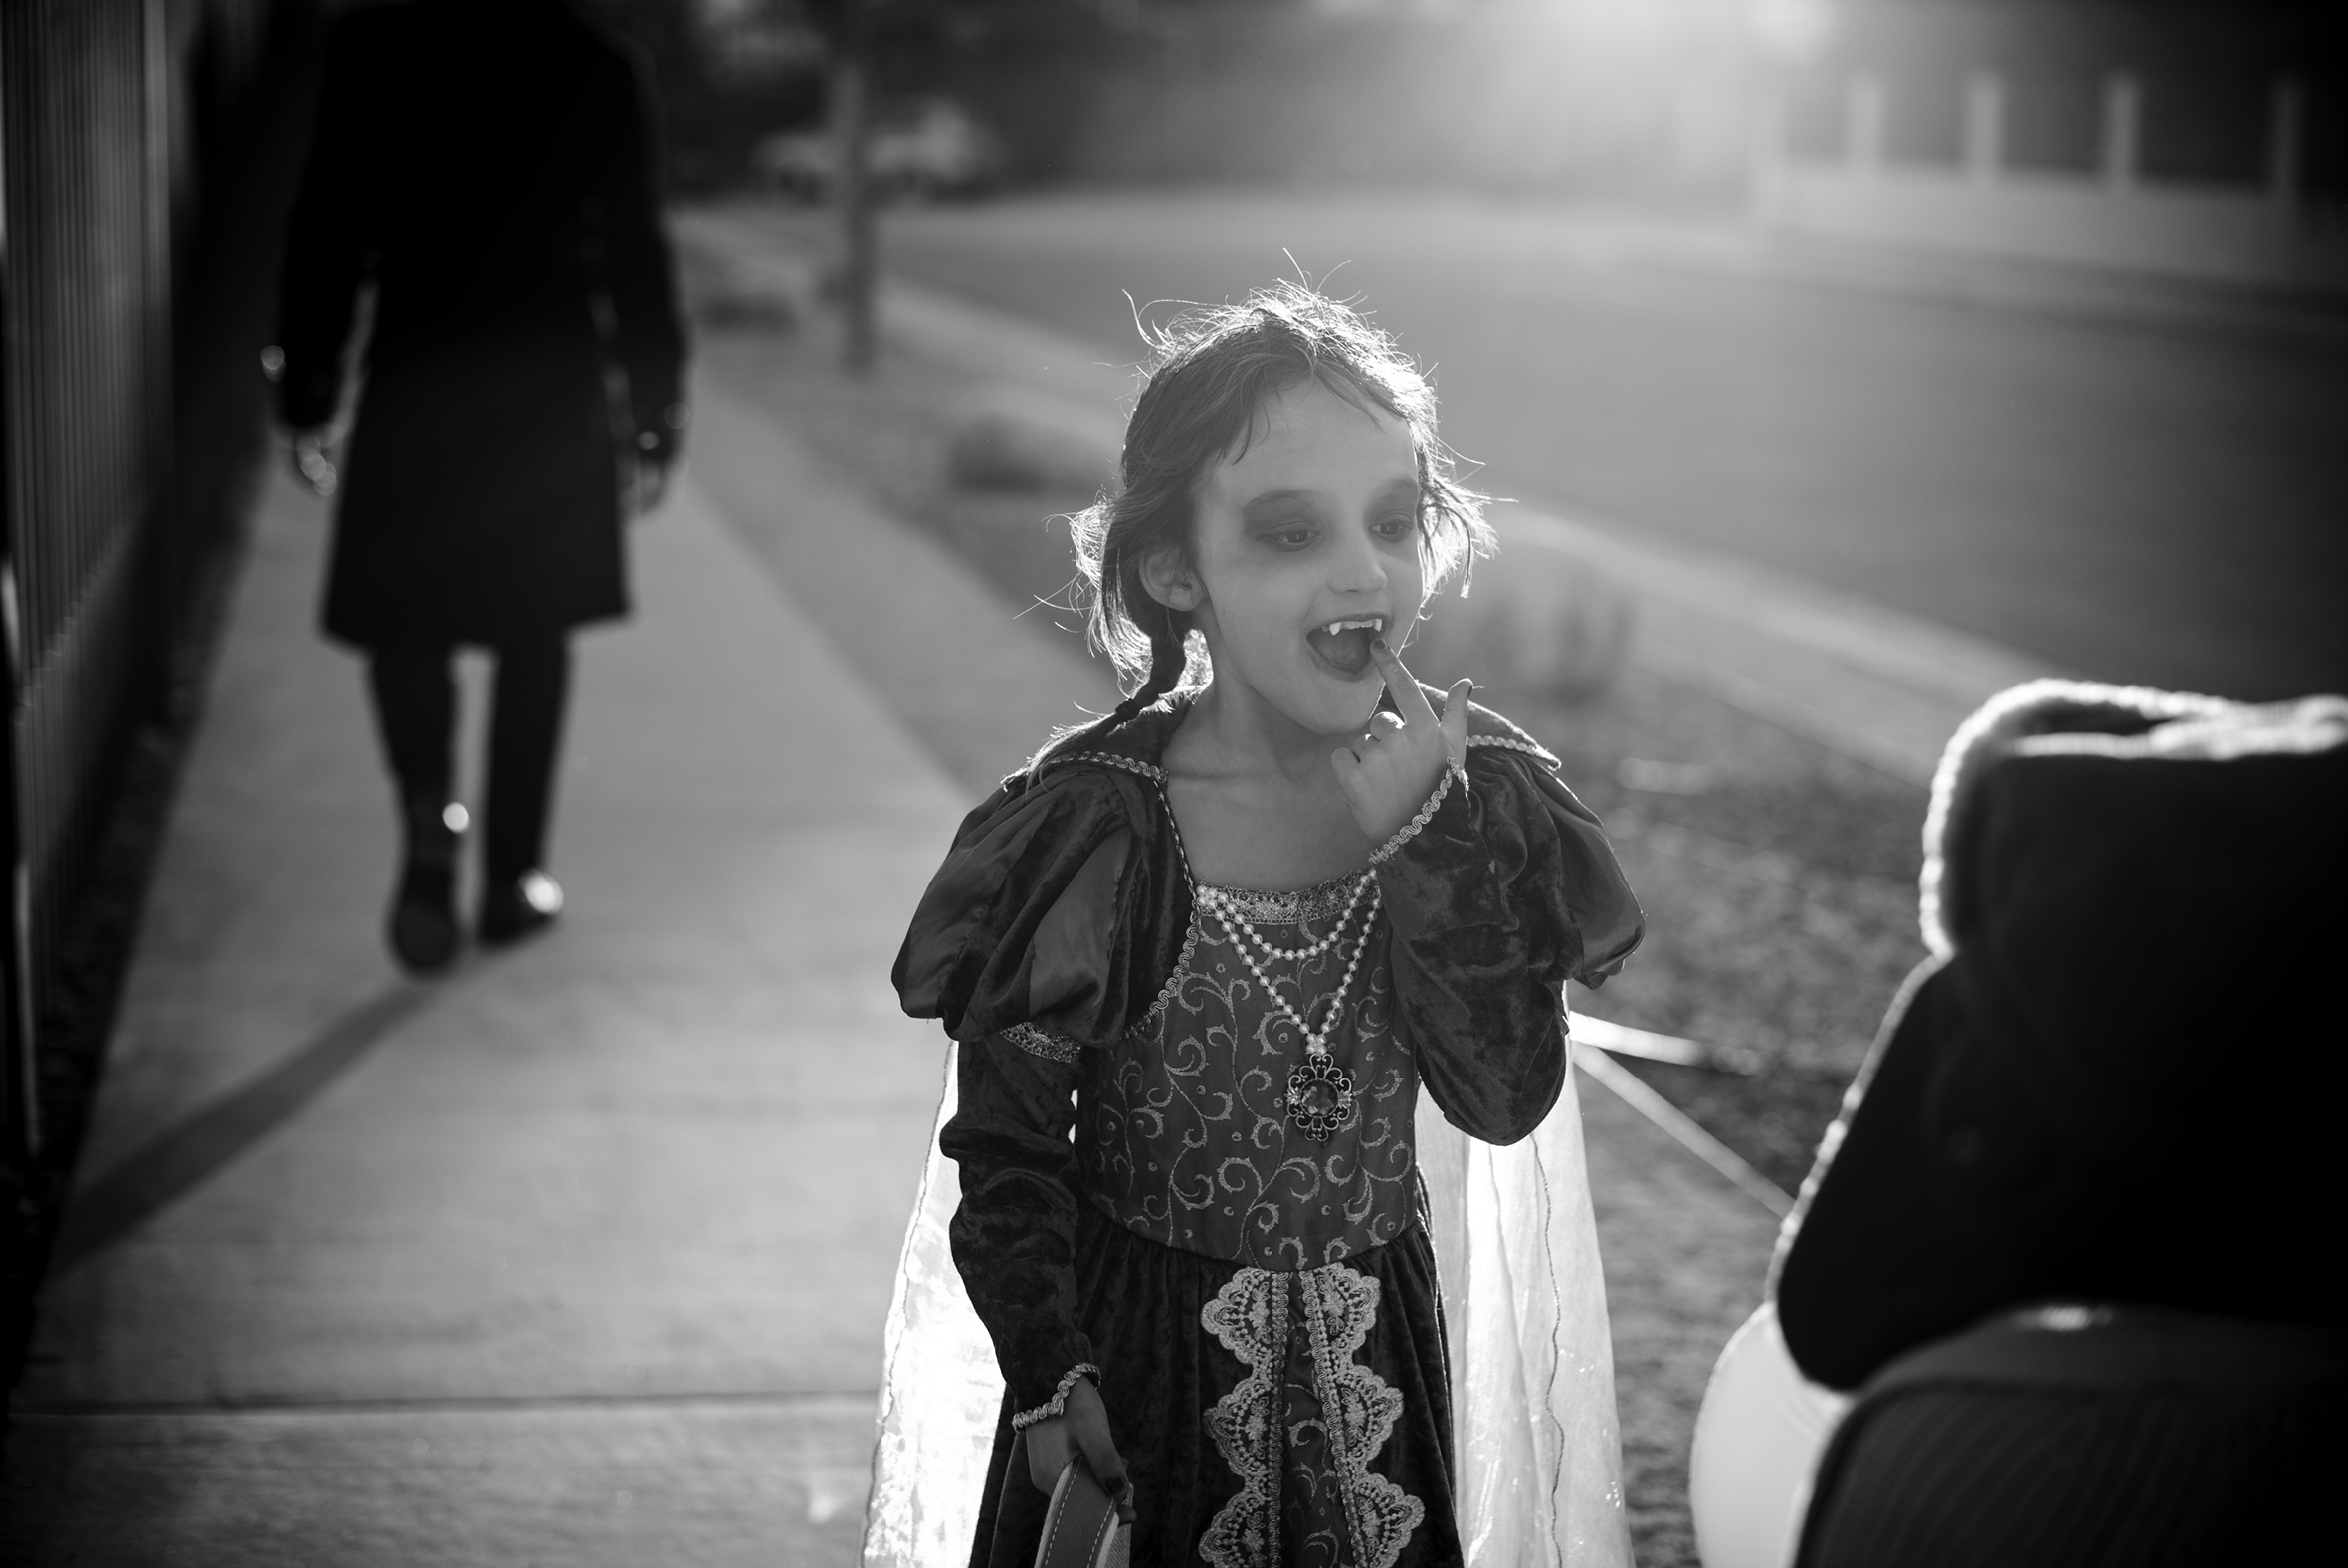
{"x": 486, "y": 164}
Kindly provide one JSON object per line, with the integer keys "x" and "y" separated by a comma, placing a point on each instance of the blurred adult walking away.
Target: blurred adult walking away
{"x": 488, "y": 168}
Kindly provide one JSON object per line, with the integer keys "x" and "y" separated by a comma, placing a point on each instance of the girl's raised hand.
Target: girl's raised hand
{"x": 1389, "y": 770}
{"x": 1054, "y": 1440}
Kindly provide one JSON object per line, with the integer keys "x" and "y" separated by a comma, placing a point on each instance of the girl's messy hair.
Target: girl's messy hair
{"x": 1215, "y": 370}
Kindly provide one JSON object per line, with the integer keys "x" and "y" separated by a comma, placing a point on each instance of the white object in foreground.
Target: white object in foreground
{"x": 1758, "y": 1439}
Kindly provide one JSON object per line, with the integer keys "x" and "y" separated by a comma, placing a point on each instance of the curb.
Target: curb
{"x": 1876, "y": 685}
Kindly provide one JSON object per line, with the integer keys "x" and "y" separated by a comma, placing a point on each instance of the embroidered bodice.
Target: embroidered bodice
{"x": 1108, "y": 1028}
{"x": 1182, "y": 1133}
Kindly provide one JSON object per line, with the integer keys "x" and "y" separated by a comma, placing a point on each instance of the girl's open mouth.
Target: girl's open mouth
{"x": 1344, "y": 646}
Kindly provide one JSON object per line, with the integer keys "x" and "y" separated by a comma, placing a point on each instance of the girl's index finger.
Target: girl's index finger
{"x": 1408, "y": 698}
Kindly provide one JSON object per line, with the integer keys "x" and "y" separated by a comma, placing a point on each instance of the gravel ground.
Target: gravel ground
{"x": 1779, "y": 882}
{"x": 1682, "y": 1269}
{"x": 1777, "y": 877}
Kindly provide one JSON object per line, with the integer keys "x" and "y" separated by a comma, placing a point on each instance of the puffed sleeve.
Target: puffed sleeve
{"x": 1052, "y": 909}
{"x": 1508, "y": 891}
{"x": 1014, "y": 1236}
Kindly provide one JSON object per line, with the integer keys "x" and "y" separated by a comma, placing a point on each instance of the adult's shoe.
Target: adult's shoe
{"x": 423, "y": 922}
{"x": 512, "y": 909}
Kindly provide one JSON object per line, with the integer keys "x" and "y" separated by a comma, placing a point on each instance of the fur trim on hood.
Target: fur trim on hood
{"x": 2085, "y": 717}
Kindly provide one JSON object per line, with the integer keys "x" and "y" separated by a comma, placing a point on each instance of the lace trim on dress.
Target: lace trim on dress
{"x": 1037, "y": 1041}
{"x": 1540, "y": 754}
{"x": 1359, "y": 1408}
{"x": 1410, "y": 829}
{"x": 1166, "y": 993}
{"x": 1190, "y": 931}
{"x": 1321, "y": 901}
{"x": 1057, "y": 1405}
{"x": 1152, "y": 772}
{"x": 1250, "y": 1315}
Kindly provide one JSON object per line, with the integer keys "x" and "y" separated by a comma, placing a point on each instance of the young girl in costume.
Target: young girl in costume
{"x": 1201, "y": 956}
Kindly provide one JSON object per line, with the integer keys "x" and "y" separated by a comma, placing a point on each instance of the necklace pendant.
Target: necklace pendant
{"x": 1320, "y": 1097}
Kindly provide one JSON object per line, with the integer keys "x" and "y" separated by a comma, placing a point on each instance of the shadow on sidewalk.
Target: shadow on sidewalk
{"x": 182, "y": 1158}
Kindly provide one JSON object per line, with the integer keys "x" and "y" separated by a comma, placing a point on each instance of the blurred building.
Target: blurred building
{"x": 2193, "y": 139}
{"x": 1507, "y": 95}
{"x": 2201, "y": 139}
{"x": 146, "y": 151}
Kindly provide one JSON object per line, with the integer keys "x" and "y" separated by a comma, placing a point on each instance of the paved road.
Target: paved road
{"x": 2164, "y": 503}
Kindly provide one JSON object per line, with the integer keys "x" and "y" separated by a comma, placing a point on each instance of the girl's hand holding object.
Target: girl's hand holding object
{"x": 1393, "y": 767}
{"x": 1051, "y": 1441}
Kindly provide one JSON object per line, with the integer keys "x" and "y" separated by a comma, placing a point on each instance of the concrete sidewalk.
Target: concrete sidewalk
{"x": 579, "y": 1256}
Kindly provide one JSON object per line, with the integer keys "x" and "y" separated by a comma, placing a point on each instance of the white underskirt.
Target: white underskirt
{"x": 1524, "y": 1311}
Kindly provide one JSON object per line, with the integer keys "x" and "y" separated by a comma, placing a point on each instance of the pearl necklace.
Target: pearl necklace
{"x": 1222, "y": 903}
{"x": 1320, "y": 1092}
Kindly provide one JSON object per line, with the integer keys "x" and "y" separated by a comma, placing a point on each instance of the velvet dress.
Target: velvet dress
{"x": 1260, "y": 1311}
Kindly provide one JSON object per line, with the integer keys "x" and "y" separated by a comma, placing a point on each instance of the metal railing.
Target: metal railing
{"x": 115, "y": 144}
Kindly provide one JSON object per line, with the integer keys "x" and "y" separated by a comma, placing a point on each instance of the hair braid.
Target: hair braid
{"x": 1170, "y": 656}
